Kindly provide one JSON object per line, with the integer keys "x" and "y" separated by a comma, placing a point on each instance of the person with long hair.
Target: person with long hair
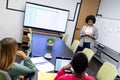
{"x": 8, "y": 52}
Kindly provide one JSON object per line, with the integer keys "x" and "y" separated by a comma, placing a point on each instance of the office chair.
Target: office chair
{"x": 74, "y": 45}
{"x": 30, "y": 42}
{"x": 107, "y": 72}
{"x": 89, "y": 53}
{"x": 4, "y": 75}
{"x": 65, "y": 37}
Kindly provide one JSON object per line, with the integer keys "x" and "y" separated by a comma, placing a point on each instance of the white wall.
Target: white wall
{"x": 11, "y": 22}
{"x": 109, "y": 23}
{"x": 110, "y": 9}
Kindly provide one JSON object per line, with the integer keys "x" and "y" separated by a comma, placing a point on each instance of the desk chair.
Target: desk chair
{"x": 89, "y": 53}
{"x": 74, "y": 45}
{"x": 30, "y": 42}
{"x": 4, "y": 75}
{"x": 65, "y": 37}
{"x": 107, "y": 72}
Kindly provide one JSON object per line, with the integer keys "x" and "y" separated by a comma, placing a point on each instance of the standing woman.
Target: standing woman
{"x": 88, "y": 34}
{"x": 8, "y": 52}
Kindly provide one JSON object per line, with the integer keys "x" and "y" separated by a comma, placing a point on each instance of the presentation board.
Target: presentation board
{"x": 109, "y": 33}
{"x": 45, "y": 17}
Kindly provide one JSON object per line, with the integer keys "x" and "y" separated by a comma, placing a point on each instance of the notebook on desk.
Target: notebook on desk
{"x": 42, "y": 64}
{"x": 46, "y": 76}
{"x": 60, "y": 62}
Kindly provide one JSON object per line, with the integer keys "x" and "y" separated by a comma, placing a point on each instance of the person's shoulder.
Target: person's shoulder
{"x": 84, "y": 26}
{"x": 90, "y": 78}
{"x": 16, "y": 65}
{"x": 66, "y": 77}
{"x": 94, "y": 27}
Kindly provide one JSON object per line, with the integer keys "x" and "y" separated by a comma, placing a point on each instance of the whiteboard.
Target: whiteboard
{"x": 109, "y": 33}
{"x": 17, "y": 4}
{"x": 110, "y": 9}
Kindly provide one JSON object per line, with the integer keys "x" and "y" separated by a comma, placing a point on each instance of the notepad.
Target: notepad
{"x": 46, "y": 76}
{"x": 42, "y": 64}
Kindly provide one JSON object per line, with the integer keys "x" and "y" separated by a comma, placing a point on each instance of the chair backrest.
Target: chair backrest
{"x": 107, "y": 72}
{"x": 65, "y": 37}
{"x": 29, "y": 50}
{"x": 89, "y": 53}
{"x": 74, "y": 45}
{"x": 30, "y": 36}
{"x": 4, "y": 75}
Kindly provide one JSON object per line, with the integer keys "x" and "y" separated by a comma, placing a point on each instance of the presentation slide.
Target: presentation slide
{"x": 42, "y": 17}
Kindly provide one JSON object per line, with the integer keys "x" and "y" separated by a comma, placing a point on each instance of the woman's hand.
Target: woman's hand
{"x": 21, "y": 54}
{"x": 83, "y": 35}
{"x": 90, "y": 36}
{"x": 21, "y": 78}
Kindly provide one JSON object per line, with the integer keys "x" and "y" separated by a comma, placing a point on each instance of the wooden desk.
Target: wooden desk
{"x": 40, "y": 48}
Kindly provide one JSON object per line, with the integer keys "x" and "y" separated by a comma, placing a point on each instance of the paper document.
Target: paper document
{"x": 42, "y": 64}
{"x": 46, "y": 76}
{"x": 38, "y": 60}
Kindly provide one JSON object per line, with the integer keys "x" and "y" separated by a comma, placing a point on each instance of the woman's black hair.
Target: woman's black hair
{"x": 90, "y": 17}
{"x": 79, "y": 62}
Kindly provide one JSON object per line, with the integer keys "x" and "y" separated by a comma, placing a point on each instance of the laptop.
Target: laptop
{"x": 60, "y": 62}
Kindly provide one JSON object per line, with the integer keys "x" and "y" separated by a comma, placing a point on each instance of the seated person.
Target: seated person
{"x": 8, "y": 52}
{"x": 79, "y": 64}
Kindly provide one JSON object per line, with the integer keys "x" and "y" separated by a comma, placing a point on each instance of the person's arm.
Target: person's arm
{"x": 59, "y": 73}
{"x": 82, "y": 32}
{"x": 21, "y": 70}
{"x": 27, "y": 67}
{"x": 90, "y": 36}
{"x": 62, "y": 71}
{"x": 95, "y": 33}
